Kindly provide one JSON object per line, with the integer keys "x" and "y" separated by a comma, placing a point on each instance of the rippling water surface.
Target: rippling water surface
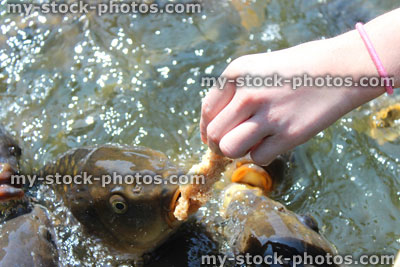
{"x": 69, "y": 81}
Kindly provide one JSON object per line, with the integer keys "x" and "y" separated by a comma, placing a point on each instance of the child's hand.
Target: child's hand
{"x": 269, "y": 121}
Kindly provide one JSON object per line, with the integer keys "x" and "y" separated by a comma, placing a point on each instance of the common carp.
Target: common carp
{"x": 135, "y": 219}
{"x": 385, "y": 124}
{"x": 258, "y": 225}
{"x": 132, "y": 218}
{"x": 9, "y": 157}
{"x": 28, "y": 240}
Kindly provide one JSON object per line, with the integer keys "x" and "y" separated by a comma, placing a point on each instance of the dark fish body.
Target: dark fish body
{"x": 28, "y": 240}
{"x": 131, "y": 217}
{"x": 258, "y": 225}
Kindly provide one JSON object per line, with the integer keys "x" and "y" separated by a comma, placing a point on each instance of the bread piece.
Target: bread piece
{"x": 193, "y": 196}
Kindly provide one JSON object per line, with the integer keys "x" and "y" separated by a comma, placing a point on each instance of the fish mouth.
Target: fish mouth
{"x": 253, "y": 175}
{"x": 6, "y": 171}
{"x": 171, "y": 219}
{"x": 8, "y": 190}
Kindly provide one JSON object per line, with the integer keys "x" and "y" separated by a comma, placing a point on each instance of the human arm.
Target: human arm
{"x": 270, "y": 121}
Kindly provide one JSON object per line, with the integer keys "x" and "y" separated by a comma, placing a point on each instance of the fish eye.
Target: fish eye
{"x": 118, "y": 204}
{"x": 14, "y": 151}
{"x": 309, "y": 221}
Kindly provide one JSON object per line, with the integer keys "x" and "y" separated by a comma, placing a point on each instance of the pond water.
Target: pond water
{"x": 69, "y": 81}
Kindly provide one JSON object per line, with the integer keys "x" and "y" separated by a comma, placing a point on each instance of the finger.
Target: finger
{"x": 8, "y": 192}
{"x": 238, "y": 142}
{"x": 203, "y": 131}
{"x": 265, "y": 152}
{"x": 215, "y": 101}
{"x": 240, "y": 109}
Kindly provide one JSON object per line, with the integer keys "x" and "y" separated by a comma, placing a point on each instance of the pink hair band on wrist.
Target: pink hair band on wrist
{"x": 375, "y": 58}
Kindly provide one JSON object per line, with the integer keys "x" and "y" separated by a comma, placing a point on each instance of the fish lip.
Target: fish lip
{"x": 6, "y": 166}
{"x": 7, "y": 170}
{"x": 8, "y": 190}
{"x": 264, "y": 182}
{"x": 172, "y": 221}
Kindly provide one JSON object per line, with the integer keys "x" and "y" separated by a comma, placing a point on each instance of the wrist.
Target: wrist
{"x": 342, "y": 56}
{"x": 351, "y": 57}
